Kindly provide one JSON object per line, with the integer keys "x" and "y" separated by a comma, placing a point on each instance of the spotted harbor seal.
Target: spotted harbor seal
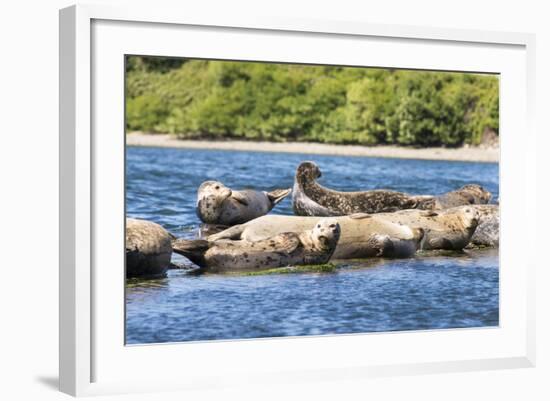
{"x": 148, "y": 249}
{"x": 471, "y": 194}
{"x": 487, "y": 233}
{"x": 450, "y": 229}
{"x": 311, "y": 199}
{"x": 314, "y": 246}
{"x": 359, "y": 238}
{"x": 218, "y": 204}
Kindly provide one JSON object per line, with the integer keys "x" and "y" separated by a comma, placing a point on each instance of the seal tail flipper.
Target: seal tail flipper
{"x": 233, "y": 233}
{"x": 444, "y": 243}
{"x": 193, "y": 250}
{"x": 278, "y": 195}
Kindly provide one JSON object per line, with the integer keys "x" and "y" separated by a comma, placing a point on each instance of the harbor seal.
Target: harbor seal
{"x": 359, "y": 238}
{"x": 218, "y": 204}
{"x": 314, "y": 246}
{"x": 487, "y": 233}
{"x": 148, "y": 249}
{"x": 450, "y": 229}
{"x": 311, "y": 199}
{"x": 471, "y": 194}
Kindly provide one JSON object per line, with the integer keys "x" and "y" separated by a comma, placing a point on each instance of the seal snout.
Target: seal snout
{"x": 226, "y": 192}
{"x": 216, "y": 189}
{"x": 317, "y": 172}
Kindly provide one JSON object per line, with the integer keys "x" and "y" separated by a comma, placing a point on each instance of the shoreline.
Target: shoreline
{"x": 467, "y": 154}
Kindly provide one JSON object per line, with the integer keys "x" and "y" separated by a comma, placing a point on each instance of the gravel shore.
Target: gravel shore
{"x": 473, "y": 154}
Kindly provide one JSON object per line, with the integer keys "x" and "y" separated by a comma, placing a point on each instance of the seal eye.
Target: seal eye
{"x": 332, "y": 225}
{"x": 318, "y": 226}
{"x": 217, "y": 187}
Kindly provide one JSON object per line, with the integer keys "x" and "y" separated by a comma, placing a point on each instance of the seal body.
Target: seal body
{"x": 487, "y": 233}
{"x": 450, "y": 229}
{"x": 218, "y": 204}
{"x": 148, "y": 249}
{"x": 471, "y": 194}
{"x": 311, "y": 199}
{"x": 314, "y": 246}
{"x": 367, "y": 236}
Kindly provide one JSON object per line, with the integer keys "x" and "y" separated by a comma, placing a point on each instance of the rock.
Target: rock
{"x": 487, "y": 233}
{"x": 148, "y": 249}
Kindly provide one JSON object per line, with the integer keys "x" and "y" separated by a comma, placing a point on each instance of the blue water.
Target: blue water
{"x": 429, "y": 291}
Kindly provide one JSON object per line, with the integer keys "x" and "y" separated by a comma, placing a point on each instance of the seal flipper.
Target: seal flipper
{"x": 278, "y": 195}
{"x": 286, "y": 243}
{"x": 233, "y": 233}
{"x": 193, "y": 250}
{"x": 239, "y": 198}
{"x": 442, "y": 243}
{"x": 359, "y": 216}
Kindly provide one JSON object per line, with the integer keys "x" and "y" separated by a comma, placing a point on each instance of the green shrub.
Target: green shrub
{"x": 145, "y": 112}
{"x": 280, "y": 102}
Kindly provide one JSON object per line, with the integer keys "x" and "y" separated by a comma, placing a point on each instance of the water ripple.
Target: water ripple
{"x": 426, "y": 292}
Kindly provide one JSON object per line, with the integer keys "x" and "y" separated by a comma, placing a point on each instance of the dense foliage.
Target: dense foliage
{"x": 280, "y": 102}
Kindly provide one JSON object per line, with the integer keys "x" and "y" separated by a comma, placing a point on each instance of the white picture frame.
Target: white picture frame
{"x": 93, "y": 358}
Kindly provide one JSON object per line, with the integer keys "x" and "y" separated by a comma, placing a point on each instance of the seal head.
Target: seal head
{"x": 307, "y": 171}
{"x": 477, "y": 193}
{"x": 471, "y": 194}
{"x": 210, "y": 197}
{"x": 470, "y": 219}
{"x": 325, "y": 234}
